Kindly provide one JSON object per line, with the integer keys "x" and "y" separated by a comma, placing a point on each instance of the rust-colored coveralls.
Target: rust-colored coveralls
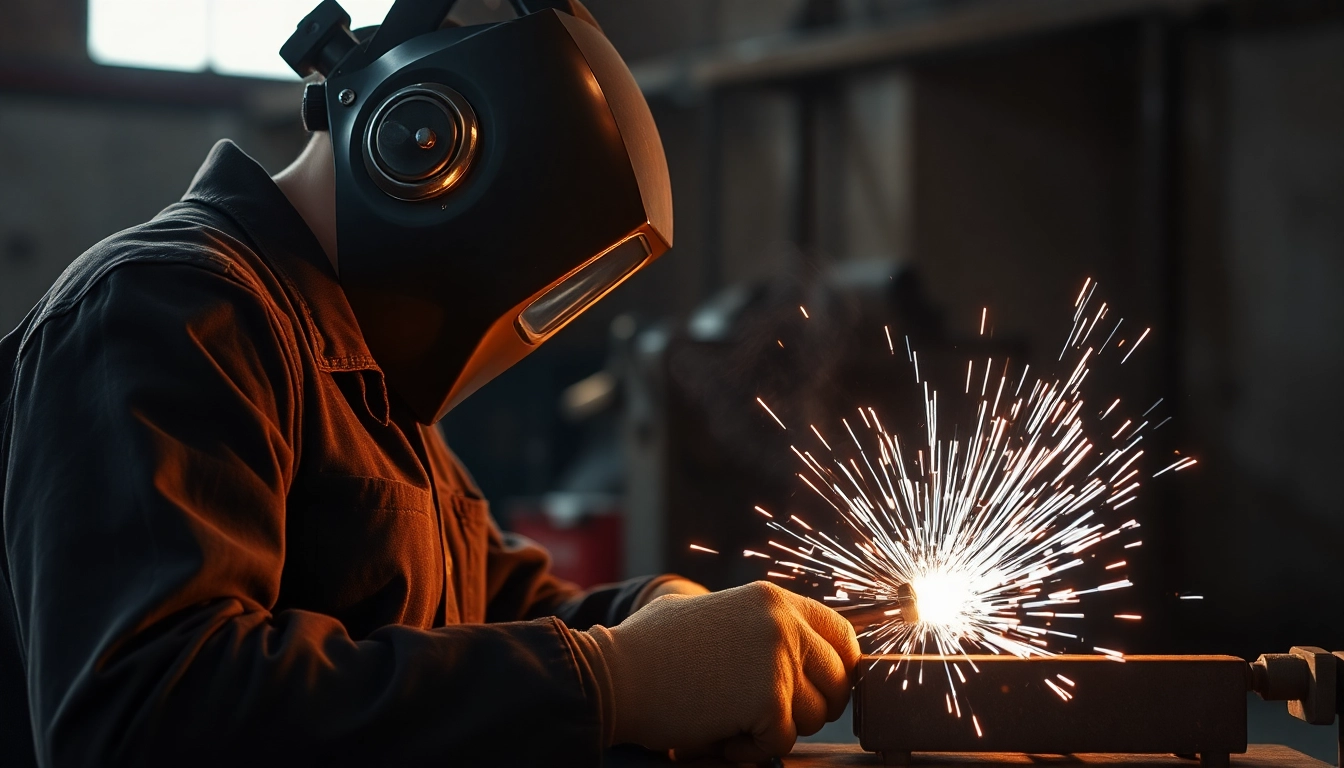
{"x": 225, "y": 542}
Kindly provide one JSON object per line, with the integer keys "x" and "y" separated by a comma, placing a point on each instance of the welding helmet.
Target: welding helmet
{"x": 492, "y": 182}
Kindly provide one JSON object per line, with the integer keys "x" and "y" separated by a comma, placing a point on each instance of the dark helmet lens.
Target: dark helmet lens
{"x": 416, "y": 139}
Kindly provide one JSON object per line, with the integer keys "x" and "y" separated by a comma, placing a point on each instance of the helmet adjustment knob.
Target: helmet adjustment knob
{"x": 314, "y": 109}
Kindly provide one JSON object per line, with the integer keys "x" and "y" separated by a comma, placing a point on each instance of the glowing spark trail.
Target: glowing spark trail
{"x": 772, "y": 413}
{"x": 994, "y": 528}
{"x": 1178, "y": 466}
{"x": 1142, "y": 336}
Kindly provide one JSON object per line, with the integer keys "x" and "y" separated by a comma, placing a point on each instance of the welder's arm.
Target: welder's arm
{"x": 520, "y": 586}
{"x": 152, "y": 447}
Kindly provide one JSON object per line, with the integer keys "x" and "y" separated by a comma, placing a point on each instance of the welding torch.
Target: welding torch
{"x": 903, "y": 608}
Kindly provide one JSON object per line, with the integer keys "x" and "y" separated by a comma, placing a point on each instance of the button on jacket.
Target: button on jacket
{"x": 226, "y": 542}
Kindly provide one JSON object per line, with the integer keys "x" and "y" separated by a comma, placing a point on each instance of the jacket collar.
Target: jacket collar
{"x": 237, "y": 185}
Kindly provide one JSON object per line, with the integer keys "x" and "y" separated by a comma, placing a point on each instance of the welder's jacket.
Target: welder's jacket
{"x": 225, "y": 542}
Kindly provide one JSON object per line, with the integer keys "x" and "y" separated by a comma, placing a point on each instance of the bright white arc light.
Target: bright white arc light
{"x": 945, "y": 599}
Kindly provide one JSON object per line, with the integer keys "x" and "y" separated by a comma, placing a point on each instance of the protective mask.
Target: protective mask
{"x": 492, "y": 183}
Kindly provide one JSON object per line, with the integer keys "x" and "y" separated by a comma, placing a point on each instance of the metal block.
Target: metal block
{"x": 1143, "y": 705}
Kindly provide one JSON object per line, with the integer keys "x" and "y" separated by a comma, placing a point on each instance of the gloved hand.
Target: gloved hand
{"x": 675, "y": 585}
{"x": 739, "y": 673}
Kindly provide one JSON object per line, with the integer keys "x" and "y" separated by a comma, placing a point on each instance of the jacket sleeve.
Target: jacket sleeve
{"x": 153, "y": 441}
{"x": 520, "y": 585}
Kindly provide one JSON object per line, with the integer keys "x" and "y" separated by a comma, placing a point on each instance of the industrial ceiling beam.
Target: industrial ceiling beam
{"x": 790, "y": 57}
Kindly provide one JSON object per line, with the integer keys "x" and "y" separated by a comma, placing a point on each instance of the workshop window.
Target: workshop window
{"x": 229, "y": 37}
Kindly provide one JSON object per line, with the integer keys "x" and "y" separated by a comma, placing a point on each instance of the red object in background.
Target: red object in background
{"x": 582, "y": 532}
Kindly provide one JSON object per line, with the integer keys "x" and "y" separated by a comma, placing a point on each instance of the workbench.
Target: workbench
{"x": 827, "y": 755}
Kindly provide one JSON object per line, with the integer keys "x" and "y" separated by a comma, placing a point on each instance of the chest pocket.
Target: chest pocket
{"x": 365, "y": 550}
{"x": 468, "y": 541}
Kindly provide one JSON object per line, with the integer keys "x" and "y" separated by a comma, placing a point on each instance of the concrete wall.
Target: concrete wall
{"x": 75, "y": 172}
{"x": 97, "y": 151}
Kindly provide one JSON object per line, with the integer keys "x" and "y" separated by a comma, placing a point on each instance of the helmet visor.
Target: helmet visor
{"x": 567, "y": 299}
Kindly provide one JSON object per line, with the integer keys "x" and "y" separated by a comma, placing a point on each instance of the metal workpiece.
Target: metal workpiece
{"x": 1188, "y": 705}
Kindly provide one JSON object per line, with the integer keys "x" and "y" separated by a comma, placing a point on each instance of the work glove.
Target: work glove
{"x": 738, "y": 674}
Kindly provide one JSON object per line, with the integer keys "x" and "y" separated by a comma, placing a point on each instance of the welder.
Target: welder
{"x": 232, "y": 534}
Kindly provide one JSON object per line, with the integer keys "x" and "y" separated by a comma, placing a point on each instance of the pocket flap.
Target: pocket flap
{"x": 355, "y": 492}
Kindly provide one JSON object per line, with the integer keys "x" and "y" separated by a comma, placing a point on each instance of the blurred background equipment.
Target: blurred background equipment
{"x": 900, "y": 162}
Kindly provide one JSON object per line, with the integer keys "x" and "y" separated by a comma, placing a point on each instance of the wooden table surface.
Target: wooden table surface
{"x": 826, "y": 755}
